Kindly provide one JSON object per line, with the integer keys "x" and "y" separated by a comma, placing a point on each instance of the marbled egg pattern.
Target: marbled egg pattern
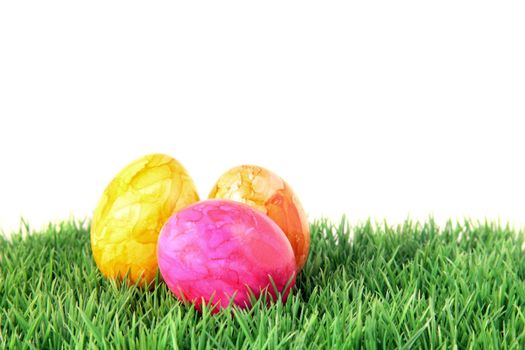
{"x": 129, "y": 216}
{"x": 220, "y": 248}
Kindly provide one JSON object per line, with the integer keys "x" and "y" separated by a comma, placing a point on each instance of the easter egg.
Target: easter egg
{"x": 216, "y": 250}
{"x": 129, "y": 216}
{"x": 268, "y": 193}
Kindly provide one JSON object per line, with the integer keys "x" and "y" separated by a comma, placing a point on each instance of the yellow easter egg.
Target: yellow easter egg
{"x": 129, "y": 216}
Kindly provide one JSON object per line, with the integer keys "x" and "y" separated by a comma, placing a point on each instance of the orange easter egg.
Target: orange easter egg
{"x": 263, "y": 190}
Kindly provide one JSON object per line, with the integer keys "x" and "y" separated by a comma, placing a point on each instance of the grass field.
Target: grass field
{"x": 411, "y": 286}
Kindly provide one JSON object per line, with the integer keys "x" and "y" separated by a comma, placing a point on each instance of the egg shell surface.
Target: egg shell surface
{"x": 262, "y": 189}
{"x": 215, "y": 249}
{"x": 129, "y": 216}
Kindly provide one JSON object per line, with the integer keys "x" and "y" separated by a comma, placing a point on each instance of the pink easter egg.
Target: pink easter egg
{"x": 214, "y": 250}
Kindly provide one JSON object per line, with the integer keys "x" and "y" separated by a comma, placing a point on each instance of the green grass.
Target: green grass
{"x": 410, "y": 286}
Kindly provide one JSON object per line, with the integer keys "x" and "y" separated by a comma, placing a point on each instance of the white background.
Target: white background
{"x": 374, "y": 109}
